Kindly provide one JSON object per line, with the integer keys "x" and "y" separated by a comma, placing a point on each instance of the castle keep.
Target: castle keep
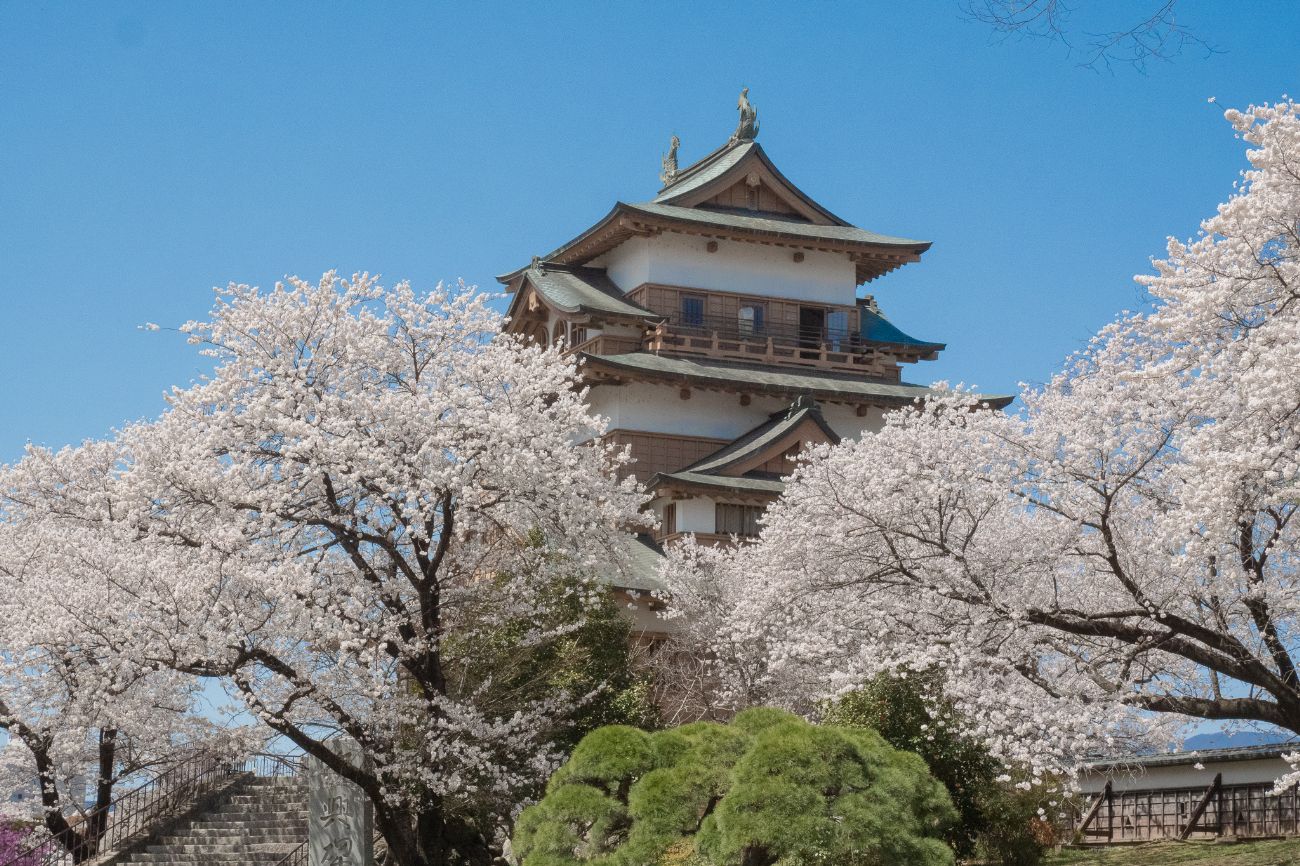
{"x": 721, "y": 331}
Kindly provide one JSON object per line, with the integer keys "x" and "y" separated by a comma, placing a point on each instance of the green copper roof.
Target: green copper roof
{"x": 764, "y": 435}
{"x": 583, "y": 290}
{"x": 877, "y": 328}
{"x": 770, "y": 225}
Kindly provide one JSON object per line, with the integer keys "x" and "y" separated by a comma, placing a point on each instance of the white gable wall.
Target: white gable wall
{"x": 752, "y": 269}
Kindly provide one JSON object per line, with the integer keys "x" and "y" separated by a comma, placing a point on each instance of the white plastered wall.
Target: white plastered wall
{"x": 753, "y": 269}
{"x": 1186, "y": 775}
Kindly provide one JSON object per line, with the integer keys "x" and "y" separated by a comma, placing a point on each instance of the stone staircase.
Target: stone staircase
{"x": 256, "y": 821}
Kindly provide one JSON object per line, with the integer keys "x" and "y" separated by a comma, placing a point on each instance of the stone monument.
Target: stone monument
{"x": 340, "y": 817}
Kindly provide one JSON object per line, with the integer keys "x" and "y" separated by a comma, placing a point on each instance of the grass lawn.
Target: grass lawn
{"x": 1274, "y": 853}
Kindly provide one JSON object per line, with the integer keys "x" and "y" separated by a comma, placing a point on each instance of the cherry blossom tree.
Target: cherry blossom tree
{"x": 1139, "y": 35}
{"x": 80, "y": 716}
{"x": 368, "y": 479}
{"x": 1114, "y": 559}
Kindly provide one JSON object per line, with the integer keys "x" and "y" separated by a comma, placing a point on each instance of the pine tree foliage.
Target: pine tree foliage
{"x": 768, "y": 789}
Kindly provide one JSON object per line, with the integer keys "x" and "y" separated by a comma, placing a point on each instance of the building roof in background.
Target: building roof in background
{"x": 645, "y": 557}
{"x": 763, "y": 436}
{"x": 573, "y": 289}
{"x": 690, "y": 204}
{"x": 732, "y": 163}
{"x": 875, "y": 327}
{"x": 1172, "y": 759}
{"x": 734, "y": 484}
{"x": 773, "y": 225}
{"x": 705, "y": 170}
{"x": 784, "y": 381}
{"x": 724, "y": 471}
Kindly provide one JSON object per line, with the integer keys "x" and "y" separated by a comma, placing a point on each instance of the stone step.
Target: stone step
{"x": 250, "y": 826}
{"x": 272, "y": 796}
{"x": 252, "y": 811}
{"x": 199, "y": 827}
{"x": 256, "y": 823}
{"x": 213, "y": 837}
{"x": 230, "y": 847}
{"x": 208, "y": 857}
{"x": 225, "y": 813}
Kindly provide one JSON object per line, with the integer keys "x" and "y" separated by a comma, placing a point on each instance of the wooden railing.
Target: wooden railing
{"x": 725, "y": 337}
{"x": 610, "y": 344}
{"x": 711, "y": 539}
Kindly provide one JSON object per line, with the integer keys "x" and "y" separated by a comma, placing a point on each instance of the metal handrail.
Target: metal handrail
{"x": 296, "y": 857}
{"x": 132, "y": 813}
{"x": 266, "y": 765}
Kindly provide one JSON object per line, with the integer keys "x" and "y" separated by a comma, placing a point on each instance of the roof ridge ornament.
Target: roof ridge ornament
{"x": 668, "y": 172}
{"x": 747, "y": 128}
{"x": 802, "y": 402}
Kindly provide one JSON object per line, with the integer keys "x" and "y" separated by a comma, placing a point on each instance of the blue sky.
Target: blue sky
{"x": 151, "y": 151}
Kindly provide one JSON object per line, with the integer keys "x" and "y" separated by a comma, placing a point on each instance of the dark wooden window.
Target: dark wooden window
{"x": 739, "y": 520}
{"x": 668, "y": 525}
{"x": 692, "y": 310}
{"x": 837, "y": 329}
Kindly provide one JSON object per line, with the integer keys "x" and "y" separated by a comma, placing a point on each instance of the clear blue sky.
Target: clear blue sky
{"x": 149, "y": 151}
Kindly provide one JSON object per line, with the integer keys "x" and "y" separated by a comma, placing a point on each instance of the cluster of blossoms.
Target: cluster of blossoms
{"x": 366, "y": 472}
{"x": 1090, "y": 572}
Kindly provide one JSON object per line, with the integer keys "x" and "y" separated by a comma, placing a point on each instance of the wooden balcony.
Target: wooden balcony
{"x": 723, "y": 337}
{"x": 608, "y": 344}
{"x": 705, "y": 539}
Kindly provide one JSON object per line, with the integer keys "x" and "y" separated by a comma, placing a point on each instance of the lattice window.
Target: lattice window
{"x": 739, "y": 520}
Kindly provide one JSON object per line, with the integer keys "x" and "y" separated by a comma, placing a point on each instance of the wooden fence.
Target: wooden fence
{"x": 1248, "y": 811}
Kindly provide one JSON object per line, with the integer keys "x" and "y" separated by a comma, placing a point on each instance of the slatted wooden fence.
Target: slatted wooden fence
{"x": 1247, "y": 811}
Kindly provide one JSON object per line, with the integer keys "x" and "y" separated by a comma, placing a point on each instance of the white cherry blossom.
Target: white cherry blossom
{"x": 1092, "y": 570}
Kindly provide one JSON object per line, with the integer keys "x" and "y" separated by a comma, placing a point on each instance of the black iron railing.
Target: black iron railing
{"x": 296, "y": 857}
{"x": 266, "y": 765}
{"x": 138, "y": 812}
{"x": 131, "y": 814}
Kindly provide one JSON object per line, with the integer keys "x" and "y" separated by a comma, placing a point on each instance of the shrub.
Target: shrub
{"x": 997, "y": 823}
{"x": 13, "y": 841}
{"x": 766, "y": 790}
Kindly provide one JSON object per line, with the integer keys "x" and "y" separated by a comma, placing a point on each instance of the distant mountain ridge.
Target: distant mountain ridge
{"x": 1222, "y": 740}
